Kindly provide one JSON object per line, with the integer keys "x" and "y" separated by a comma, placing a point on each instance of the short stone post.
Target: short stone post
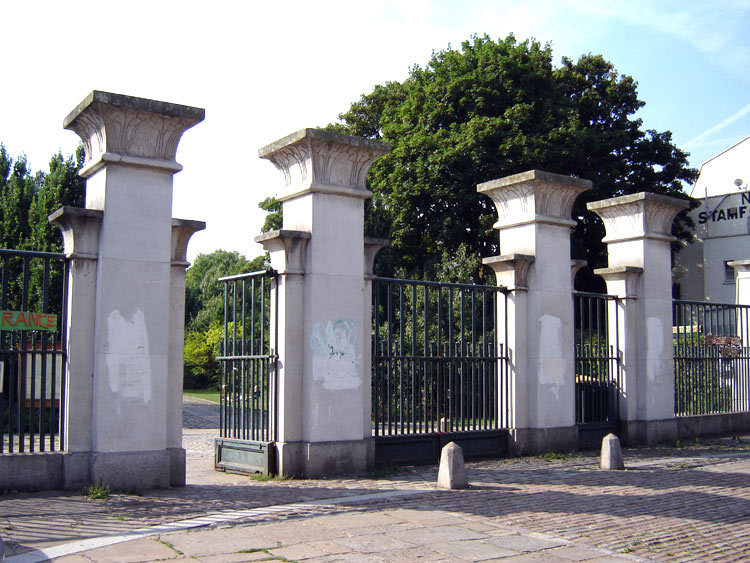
{"x": 534, "y": 229}
{"x": 326, "y": 380}
{"x": 638, "y": 247}
{"x": 611, "y": 454}
{"x": 130, "y": 148}
{"x": 80, "y": 231}
{"x": 452, "y": 469}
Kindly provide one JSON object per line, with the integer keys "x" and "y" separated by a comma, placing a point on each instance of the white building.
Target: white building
{"x": 722, "y": 227}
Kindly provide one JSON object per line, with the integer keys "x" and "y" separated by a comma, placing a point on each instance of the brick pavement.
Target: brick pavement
{"x": 672, "y": 504}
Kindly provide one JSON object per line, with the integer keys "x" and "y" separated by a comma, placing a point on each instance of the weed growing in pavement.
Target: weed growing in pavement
{"x": 266, "y": 477}
{"x": 9, "y": 527}
{"x": 383, "y": 472}
{"x": 98, "y": 492}
{"x": 553, "y": 456}
{"x": 170, "y": 546}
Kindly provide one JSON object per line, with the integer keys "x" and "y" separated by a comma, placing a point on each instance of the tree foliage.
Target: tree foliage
{"x": 204, "y": 313}
{"x": 489, "y": 110}
{"x": 28, "y": 198}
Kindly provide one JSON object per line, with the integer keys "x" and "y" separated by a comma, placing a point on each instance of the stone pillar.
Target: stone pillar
{"x": 740, "y": 395}
{"x": 182, "y": 230}
{"x": 534, "y": 229}
{"x": 288, "y": 252}
{"x": 622, "y": 314}
{"x": 325, "y": 190}
{"x": 638, "y": 238}
{"x": 130, "y": 148}
{"x": 372, "y": 247}
{"x": 80, "y": 231}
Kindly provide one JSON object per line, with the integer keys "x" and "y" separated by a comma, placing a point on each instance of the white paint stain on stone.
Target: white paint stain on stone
{"x": 655, "y": 346}
{"x": 128, "y": 361}
{"x": 335, "y": 362}
{"x": 550, "y": 352}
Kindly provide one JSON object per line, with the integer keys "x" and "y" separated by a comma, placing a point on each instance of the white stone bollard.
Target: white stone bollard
{"x": 611, "y": 456}
{"x": 452, "y": 471}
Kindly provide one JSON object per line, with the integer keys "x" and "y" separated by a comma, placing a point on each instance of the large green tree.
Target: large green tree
{"x": 488, "y": 110}
{"x": 27, "y": 198}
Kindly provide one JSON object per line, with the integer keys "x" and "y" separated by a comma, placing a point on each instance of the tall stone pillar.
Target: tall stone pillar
{"x": 130, "y": 148}
{"x": 288, "y": 252}
{"x": 80, "y": 231}
{"x": 534, "y": 225}
{"x": 324, "y": 196}
{"x": 182, "y": 230}
{"x": 640, "y": 264}
{"x": 740, "y": 394}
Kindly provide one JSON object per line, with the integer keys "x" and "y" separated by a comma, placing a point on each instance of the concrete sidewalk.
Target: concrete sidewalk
{"x": 672, "y": 504}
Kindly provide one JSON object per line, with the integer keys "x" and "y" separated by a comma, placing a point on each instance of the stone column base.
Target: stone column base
{"x": 76, "y": 470}
{"x": 177, "y": 467}
{"x": 124, "y": 471}
{"x": 325, "y": 459}
{"x": 532, "y": 441}
{"x": 648, "y": 432}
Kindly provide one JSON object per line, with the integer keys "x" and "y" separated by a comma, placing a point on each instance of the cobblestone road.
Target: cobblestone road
{"x": 671, "y": 504}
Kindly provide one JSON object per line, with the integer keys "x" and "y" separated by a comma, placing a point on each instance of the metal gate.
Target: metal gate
{"x": 247, "y": 421}
{"x": 597, "y": 367}
{"x": 711, "y": 357}
{"x": 439, "y": 370}
{"x": 33, "y": 304}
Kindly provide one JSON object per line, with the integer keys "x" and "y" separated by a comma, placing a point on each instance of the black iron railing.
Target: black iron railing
{"x": 597, "y": 365}
{"x": 438, "y": 360}
{"x": 32, "y": 350}
{"x": 711, "y": 357}
{"x": 248, "y": 358}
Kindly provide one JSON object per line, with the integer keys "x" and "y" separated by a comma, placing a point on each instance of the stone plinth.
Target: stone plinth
{"x": 533, "y": 225}
{"x": 323, "y": 430}
{"x": 638, "y": 237}
{"x": 130, "y": 160}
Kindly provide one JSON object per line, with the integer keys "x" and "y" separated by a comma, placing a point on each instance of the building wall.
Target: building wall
{"x": 722, "y": 227}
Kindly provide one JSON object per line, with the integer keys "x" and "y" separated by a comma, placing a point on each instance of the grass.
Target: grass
{"x": 212, "y": 395}
{"x": 98, "y": 492}
{"x": 264, "y": 477}
{"x": 552, "y": 456}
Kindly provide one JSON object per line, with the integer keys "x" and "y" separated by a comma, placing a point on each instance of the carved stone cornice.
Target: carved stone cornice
{"x": 622, "y": 281}
{"x": 372, "y": 247}
{"x": 129, "y": 130}
{"x": 638, "y": 216}
{"x": 315, "y": 160}
{"x": 534, "y": 197}
{"x": 511, "y": 270}
{"x": 182, "y": 230}
{"x": 288, "y": 250}
{"x": 80, "y": 231}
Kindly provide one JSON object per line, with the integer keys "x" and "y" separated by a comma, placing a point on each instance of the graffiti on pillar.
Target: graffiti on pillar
{"x": 335, "y": 362}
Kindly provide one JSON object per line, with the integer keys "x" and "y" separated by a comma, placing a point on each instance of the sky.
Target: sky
{"x": 262, "y": 70}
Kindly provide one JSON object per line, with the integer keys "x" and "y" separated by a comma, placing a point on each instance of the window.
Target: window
{"x": 728, "y": 272}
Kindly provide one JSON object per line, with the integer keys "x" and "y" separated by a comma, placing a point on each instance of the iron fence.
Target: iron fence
{"x": 711, "y": 357}
{"x": 597, "y": 362}
{"x": 438, "y": 361}
{"x": 248, "y": 358}
{"x": 32, "y": 350}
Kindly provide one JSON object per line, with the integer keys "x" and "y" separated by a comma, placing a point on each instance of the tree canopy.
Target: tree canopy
{"x": 28, "y": 198}
{"x": 489, "y": 110}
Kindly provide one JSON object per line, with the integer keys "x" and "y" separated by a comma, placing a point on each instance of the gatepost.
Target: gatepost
{"x": 323, "y": 401}
{"x": 638, "y": 238}
{"x": 125, "y": 376}
{"x": 534, "y": 264}
{"x": 741, "y": 393}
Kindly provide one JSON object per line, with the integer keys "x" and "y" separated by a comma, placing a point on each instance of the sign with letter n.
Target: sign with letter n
{"x": 24, "y": 320}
